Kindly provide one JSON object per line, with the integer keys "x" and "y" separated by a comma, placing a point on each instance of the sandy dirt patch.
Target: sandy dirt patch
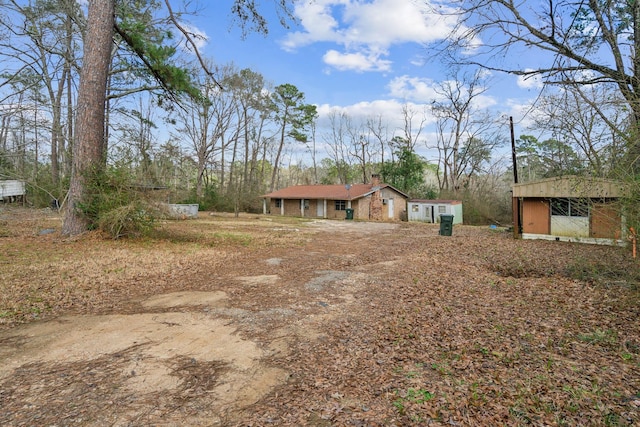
{"x": 152, "y": 343}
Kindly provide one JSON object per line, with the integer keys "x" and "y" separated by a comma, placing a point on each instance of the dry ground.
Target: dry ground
{"x": 262, "y": 321}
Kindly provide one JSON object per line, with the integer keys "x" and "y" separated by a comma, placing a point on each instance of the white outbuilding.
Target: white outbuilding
{"x": 430, "y": 210}
{"x": 10, "y": 190}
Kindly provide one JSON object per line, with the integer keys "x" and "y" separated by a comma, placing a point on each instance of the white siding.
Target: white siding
{"x": 11, "y": 188}
{"x": 426, "y": 212}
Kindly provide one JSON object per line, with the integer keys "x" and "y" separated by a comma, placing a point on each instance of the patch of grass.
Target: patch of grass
{"x": 411, "y": 396}
{"x": 4, "y": 229}
{"x": 520, "y": 415}
{"x": 5, "y": 314}
{"x": 604, "y": 271}
{"x": 442, "y": 368}
{"x": 602, "y": 337}
{"x": 612, "y": 419}
{"x": 233, "y": 238}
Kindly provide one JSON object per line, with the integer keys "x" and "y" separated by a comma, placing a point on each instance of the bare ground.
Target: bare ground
{"x": 256, "y": 321}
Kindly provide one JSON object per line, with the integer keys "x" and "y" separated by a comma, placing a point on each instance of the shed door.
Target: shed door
{"x": 428, "y": 214}
{"x": 391, "y": 211}
{"x": 535, "y": 216}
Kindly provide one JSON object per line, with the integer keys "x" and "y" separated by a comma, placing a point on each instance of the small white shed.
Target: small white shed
{"x": 11, "y": 188}
{"x": 430, "y": 210}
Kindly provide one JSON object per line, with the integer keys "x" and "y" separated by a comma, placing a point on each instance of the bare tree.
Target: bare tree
{"x": 204, "y": 124}
{"x": 361, "y": 148}
{"x": 42, "y": 44}
{"x": 466, "y": 134}
{"x": 379, "y": 131}
{"x": 137, "y": 132}
{"x": 586, "y": 43}
{"x": 337, "y": 141}
{"x": 411, "y": 131}
{"x": 586, "y": 118}
{"x": 253, "y": 108}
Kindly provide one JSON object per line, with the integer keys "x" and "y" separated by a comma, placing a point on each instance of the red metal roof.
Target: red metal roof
{"x": 331, "y": 192}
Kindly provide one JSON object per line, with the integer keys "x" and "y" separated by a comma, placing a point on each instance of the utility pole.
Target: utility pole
{"x": 517, "y": 219}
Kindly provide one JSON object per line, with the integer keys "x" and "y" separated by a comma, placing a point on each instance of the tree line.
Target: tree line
{"x": 86, "y": 92}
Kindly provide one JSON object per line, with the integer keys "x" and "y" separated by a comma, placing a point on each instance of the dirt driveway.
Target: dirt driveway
{"x": 176, "y": 347}
{"x": 254, "y": 321}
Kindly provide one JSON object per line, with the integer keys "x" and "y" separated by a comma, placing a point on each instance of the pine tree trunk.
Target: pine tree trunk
{"x": 89, "y": 135}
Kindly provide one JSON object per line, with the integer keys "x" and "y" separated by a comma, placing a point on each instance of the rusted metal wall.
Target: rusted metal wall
{"x": 606, "y": 221}
{"x": 535, "y": 216}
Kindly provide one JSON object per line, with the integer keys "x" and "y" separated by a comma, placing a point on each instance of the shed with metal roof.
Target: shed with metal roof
{"x": 430, "y": 210}
{"x": 570, "y": 208}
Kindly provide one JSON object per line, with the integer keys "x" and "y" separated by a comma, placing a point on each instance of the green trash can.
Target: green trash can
{"x": 446, "y": 224}
{"x": 349, "y": 212}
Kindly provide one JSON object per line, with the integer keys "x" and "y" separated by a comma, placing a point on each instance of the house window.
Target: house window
{"x": 570, "y": 207}
{"x": 278, "y": 203}
{"x": 442, "y": 209}
{"x": 306, "y": 204}
{"x": 341, "y": 205}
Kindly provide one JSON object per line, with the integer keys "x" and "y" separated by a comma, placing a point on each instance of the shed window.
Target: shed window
{"x": 278, "y": 203}
{"x": 341, "y": 205}
{"x": 442, "y": 209}
{"x": 570, "y": 207}
{"x": 415, "y": 208}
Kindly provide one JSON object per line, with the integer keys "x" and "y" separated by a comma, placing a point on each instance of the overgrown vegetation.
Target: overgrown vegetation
{"x": 117, "y": 206}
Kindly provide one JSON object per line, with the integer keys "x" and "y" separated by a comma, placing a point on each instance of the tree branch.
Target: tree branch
{"x": 193, "y": 45}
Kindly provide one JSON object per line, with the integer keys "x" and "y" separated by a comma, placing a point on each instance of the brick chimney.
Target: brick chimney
{"x": 375, "y": 204}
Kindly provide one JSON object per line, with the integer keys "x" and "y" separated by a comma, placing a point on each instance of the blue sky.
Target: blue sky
{"x": 361, "y": 57}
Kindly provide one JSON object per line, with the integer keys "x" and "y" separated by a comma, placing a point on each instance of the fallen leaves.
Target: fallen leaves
{"x": 404, "y": 328}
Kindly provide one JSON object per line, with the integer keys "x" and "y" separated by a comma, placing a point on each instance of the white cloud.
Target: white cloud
{"x": 484, "y": 101}
{"x": 363, "y": 110}
{"x": 357, "y": 61}
{"x": 389, "y": 110}
{"x": 413, "y": 89}
{"x": 424, "y": 90}
{"x": 366, "y": 29}
{"x": 198, "y": 37}
{"x": 522, "y": 112}
{"x": 530, "y": 81}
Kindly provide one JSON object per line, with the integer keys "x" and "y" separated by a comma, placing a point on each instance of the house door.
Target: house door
{"x": 320, "y": 208}
{"x": 391, "y": 211}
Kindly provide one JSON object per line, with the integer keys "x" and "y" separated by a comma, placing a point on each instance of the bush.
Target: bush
{"x": 132, "y": 220}
{"x": 116, "y": 207}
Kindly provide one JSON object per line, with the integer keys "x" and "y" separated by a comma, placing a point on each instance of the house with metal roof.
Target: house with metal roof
{"x": 374, "y": 201}
{"x": 569, "y": 208}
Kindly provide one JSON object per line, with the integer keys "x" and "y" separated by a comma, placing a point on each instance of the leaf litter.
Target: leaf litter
{"x": 373, "y": 324}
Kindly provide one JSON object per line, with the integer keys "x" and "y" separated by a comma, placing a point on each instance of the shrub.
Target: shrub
{"x": 116, "y": 206}
{"x": 132, "y": 220}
